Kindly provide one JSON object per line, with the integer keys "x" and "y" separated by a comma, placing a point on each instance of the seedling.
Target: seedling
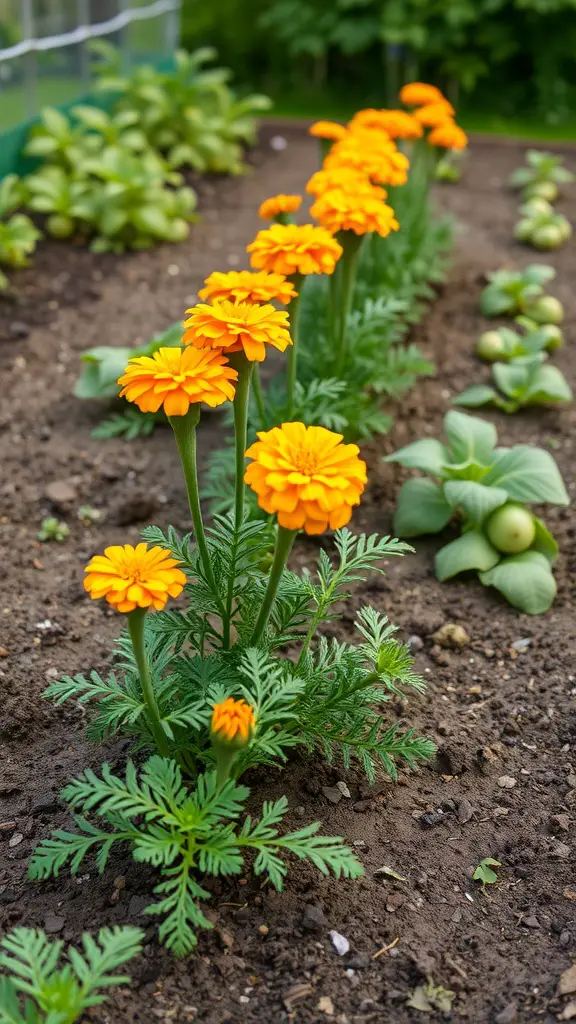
{"x": 88, "y": 515}
{"x": 524, "y": 381}
{"x": 510, "y": 292}
{"x": 505, "y": 344}
{"x": 484, "y": 872}
{"x": 541, "y": 226}
{"x": 449, "y": 167}
{"x": 472, "y": 478}
{"x": 542, "y": 176}
{"x": 53, "y": 529}
{"x": 60, "y": 994}
{"x": 18, "y": 235}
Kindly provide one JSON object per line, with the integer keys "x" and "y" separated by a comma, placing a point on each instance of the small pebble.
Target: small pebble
{"x": 340, "y": 943}
{"x": 506, "y": 782}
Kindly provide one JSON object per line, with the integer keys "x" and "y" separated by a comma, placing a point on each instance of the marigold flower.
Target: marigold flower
{"x": 270, "y": 208}
{"x": 360, "y": 211}
{"x": 338, "y": 177}
{"x": 306, "y": 476}
{"x": 236, "y": 327}
{"x": 327, "y": 130}
{"x": 177, "y": 378}
{"x": 397, "y": 124}
{"x": 247, "y": 286}
{"x": 295, "y": 249}
{"x": 449, "y": 136}
{"x": 434, "y": 114}
{"x": 132, "y": 578}
{"x": 233, "y": 722}
{"x": 416, "y": 94}
{"x": 367, "y": 153}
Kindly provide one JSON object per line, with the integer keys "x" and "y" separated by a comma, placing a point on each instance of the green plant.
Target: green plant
{"x": 449, "y": 167}
{"x": 53, "y": 529}
{"x": 505, "y": 344}
{"x": 542, "y": 169}
{"x": 541, "y": 226}
{"x": 87, "y": 514}
{"x": 18, "y": 235}
{"x": 510, "y": 292}
{"x": 471, "y": 479}
{"x": 484, "y": 872}
{"x": 523, "y": 381}
{"x": 56, "y": 994}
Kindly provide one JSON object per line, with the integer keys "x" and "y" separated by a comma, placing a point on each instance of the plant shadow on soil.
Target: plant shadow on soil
{"x": 497, "y": 708}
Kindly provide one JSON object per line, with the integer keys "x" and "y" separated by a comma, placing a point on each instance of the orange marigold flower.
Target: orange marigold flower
{"x": 295, "y": 249}
{"x": 270, "y": 208}
{"x": 233, "y": 722}
{"x": 434, "y": 114}
{"x": 338, "y": 177}
{"x": 327, "y": 130}
{"x": 177, "y": 378}
{"x": 379, "y": 160}
{"x": 236, "y": 327}
{"x": 416, "y": 94}
{"x": 397, "y": 124}
{"x": 361, "y": 211}
{"x": 132, "y": 578}
{"x": 247, "y": 286}
{"x": 449, "y": 136}
{"x": 306, "y": 476}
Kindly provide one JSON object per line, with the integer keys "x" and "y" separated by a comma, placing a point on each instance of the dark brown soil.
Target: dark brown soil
{"x": 498, "y": 708}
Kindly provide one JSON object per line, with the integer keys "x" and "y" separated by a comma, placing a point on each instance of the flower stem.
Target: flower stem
{"x": 241, "y": 401}
{"x": 284, "y": 542}
{"x": 258, "y": 395}
{"x": 225, "y": 758}
{"x": 184, "y": 428}
{"x": 351, "y": 243}
{"x": 136, "y": 629}
{"x": 294, "y": 314}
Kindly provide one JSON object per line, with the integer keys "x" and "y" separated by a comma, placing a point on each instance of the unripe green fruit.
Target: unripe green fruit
{"x": 548, "y": 236}
{"x": 59, "y": 226}
{"x": 511, "y": 529}
{"x": 489, "y": 346}
{"x": 178, "y": 230}
{"x": 523, "y": 230}
{"x": 565, "y": 228}
{"x": 546, "y": 310}
{"x": 542, "y": 190}
{"x": 553, "y": 335}
{"x": 534, "y": 206}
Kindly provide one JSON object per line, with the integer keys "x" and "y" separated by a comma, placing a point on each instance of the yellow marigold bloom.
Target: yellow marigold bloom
{"x": 306, "y": 476}
{"x": 295, "y": 249}
{"x": 247, "y": 286}
{"x": 397, "y": 124}
{"x": 233, "y": 722}
{"x": 270, "y": 208}
{"x": 132, "y": 578}
{"x": 360, "y": 211}
{"x": 416, "y": 94}
{"x": 327, "y": 130}
{"x": 449, "y": 136}
{"x": 177, "y": 378}
{"x": 434, "y": 114}
{"x": 338, "y": 177}
{"x": 236, "y": 327}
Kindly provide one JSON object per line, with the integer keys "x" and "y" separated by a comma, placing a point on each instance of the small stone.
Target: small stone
{"x": 569, "y": 1011}
{"x": 362, "y": 806}
{"x": 325, "y": 1005}
{"x": 313, "y": 919}
{"x": 343, "y": 789}
{"x": 571, "y": 780}
{"x": 415, "y": 643}
{"x": 296, "y": 994}
{"x": 560, "y": 850}
{"x": 451, "y": 635}
{"x": 54, "y": 924}
{"x": 394, "y": 902}
{"x": 340, "y": 943}
{"x": 531, "y": 922}
{"x": 61, "y": 492}
{"x": 359, "y": 961}
{"x": 567, "y": 982}
{"x": 18, "y": 329}
{"x": 565, "y": 937}
{"x": 263, "y": 929}
{"x": 16, "y": 839}
{"x": 44, "y": 803}
{"x": 508, "y": 1015}
{"x": 561, "y": 821}
{"x": 465, "y": 810}
{"x": 506, "y": 782}
{"x": 332, "y": 793}
{"x": 226, "y": 938}
{"x": 278, "y": 143}
{"x": 457, "y": 916}
{"x": 7, "y": 826}
{"x": 137, "y": 905}
{"x": 430, "y": 819}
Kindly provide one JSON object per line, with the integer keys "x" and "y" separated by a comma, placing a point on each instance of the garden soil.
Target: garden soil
{"x": 500, "y": 709}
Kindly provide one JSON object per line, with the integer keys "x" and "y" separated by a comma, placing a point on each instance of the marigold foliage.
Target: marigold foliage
{"x": 237, "y": 327}
{"x": 130, "y": 578}
{"x": 295, "y": 249}
{"x": 175, "y": 379}
{"x": 248, "y": 286}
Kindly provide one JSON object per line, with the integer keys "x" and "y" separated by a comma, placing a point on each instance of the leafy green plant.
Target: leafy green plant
{"x": 53, "y": 529}
{"x": 541, "y": 226}
{"x": 484, "y": 872}
{"x": 505, "y": 344}
{"x": 542, "y": 169}
{"x": 510, "y": 292}
{"x": 473, "y": 480}
{"x": 523, "y": 381}
{"x": 18, "y": 235}
{"x": 56, "y": 994}
{"x": 449, "y": 167}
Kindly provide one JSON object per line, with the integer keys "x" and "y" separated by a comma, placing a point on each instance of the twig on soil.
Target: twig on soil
{"x": 455, "y": 967}
{"x": 385, "y": 949}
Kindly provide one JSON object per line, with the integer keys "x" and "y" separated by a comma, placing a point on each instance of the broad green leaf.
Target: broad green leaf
{"x": 428, "y": 455}
{"x": 544, "y": 541}
{"x": 470, "y": 438}
{"x": 511, "y": 378}
{"x": 470, "y": 551}
{"x": 421, "y": 508}
{"x": 475, "y": 396}
{"x": 548, "y": 384}
{"x": 539, "y": 273}
{"x": 55, "y": 122}
{"x": 525, "y": 580}
{"x": 475, "y": 499}
{"x": 152, "y": 220}
{"x": 494, "y": 302}
{"x": 527, "y": 473}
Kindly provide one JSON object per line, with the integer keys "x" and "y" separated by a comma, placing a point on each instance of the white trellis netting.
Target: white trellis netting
{"x": 44, "y": 58}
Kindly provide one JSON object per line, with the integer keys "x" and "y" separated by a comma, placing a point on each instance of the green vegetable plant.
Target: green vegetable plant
{"x": 541, "y": 176}
{"x": 484, "y": 873}
{"x": 449, "y": 167}
{"x": 504, "y": 344}
{"x": 513, "y": 292}
{"x": 39, "y": 989}
{"x": 53, "y": 529}
{"x": 18, "y": 235}
{"x": 485, "y": 489}
{"x": 541, "y": 227}
{"x": 523, "y": 381}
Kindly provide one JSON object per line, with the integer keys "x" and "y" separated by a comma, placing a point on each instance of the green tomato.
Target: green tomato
{"x": 548, "y": 236}
{"x": 490, "y": 346}
{"x": 541, "y": 190}
{"x": 178, "y": 230}
{"x": 534, "y": 206}
{"x": 553, "y": 335}
{"x": 523, "y": 230}
{"x": 564, "y": 226}
{"x": 546, "y": 310}
{"x": 511, "y": 529}
{"x": 59, "y": 226}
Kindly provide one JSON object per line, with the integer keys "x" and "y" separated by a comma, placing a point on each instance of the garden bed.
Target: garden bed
{"x": 502, "y": 708}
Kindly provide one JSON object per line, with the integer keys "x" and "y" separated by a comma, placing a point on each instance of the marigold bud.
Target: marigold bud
{"x": 233, "y": 723}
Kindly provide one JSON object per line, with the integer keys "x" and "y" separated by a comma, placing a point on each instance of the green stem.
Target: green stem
{"x": 225, "y": 758}
{"x": 184, "y": 428}
{"x": 259, "y": 396}
{"x": 136, "y": 629}
{"x": 293, "y": 311}
{"x": 241, "y": 401}
{"x": 284, "y": 542}
{"x": 351, "y": 243}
